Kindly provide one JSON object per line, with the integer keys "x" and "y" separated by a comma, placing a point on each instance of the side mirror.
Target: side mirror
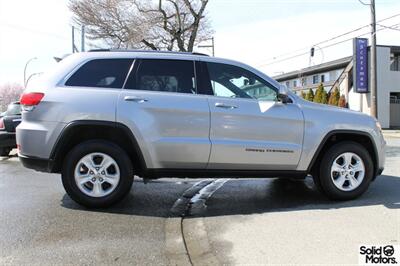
{"x": 283, "y": 94}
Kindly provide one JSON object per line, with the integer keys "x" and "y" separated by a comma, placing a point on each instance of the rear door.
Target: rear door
{"x": 170, "y": 120}
{"x": 250, "y": 129}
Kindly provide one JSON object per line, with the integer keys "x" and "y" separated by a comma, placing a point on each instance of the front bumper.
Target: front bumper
{"x": 38, "y": 164}
{"x": 7, "y": 139}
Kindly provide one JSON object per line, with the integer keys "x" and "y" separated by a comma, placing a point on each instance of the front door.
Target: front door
{"x": 250, "y": 129}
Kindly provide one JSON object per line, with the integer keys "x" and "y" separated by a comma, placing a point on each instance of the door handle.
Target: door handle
{"x": 135, "y": 99}
{"x": 222, "y": 105}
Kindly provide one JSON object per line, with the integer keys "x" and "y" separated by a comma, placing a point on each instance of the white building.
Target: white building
{"x": 311, "y": 77}
{"x": 339, "y": 73}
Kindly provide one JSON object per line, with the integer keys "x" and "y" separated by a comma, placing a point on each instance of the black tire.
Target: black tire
{"x": 317, "y": 182}
{"x": 100, "y": 146}
{"x": 324, "y": 180}
{"x": 5, "y": 151}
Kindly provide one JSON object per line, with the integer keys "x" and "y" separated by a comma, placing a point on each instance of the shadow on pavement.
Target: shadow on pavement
{"x": 286, "y": 195}
{"x": 247, "y": 196}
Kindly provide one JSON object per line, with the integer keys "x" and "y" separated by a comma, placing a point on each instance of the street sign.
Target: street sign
{"x": 360, "y": 65}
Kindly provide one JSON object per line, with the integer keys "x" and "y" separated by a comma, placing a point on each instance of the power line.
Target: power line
{"x": 388, "y": 27}
{"x": 365, "y": 4}
{"x": 330, "y": 39}
{"x": 393, "y": 27}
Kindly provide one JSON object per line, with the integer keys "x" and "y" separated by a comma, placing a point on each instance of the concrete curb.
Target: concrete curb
{"x": 197, "y": 243}
{"x": 175, "y": 244}
{"x": 391, "y": 135}
{"x": 186, "y": 238}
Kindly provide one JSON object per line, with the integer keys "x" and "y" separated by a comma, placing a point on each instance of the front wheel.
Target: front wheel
{"x": 97, "y": 174}
{"x": 346, "y": 171}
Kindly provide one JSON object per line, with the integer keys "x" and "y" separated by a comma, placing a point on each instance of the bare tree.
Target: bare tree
{"x": 9, "y": 92}
{"x": 157, "y": 25}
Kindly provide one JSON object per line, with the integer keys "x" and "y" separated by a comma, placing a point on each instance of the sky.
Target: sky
{"x": 261, "y": 33}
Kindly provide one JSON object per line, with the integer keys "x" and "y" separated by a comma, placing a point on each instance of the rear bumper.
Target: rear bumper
{"x": 38, "y": 164}
{"x": 7, "y": 140}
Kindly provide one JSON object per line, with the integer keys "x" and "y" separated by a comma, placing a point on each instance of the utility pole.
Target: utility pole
{"x": 73, "y": 39}
{"x": 74, "y": 49}
{"x": 209, "y": 46}
{"x": 374, "y": 100}
{"x": 83, "y": 38}
{"x": 213, "y": 46}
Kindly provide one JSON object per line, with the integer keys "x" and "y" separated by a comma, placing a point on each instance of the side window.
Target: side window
{"x": 232, "y": 81}
{"x": 163, "y": 75}
{"x": 104, "y": 73}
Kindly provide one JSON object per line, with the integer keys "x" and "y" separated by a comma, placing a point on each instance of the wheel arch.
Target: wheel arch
{"x": 335, "y": 136}
{"x": 79, "y": 131}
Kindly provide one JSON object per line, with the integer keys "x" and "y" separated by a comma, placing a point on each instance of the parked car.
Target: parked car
{"x": 101, "y": 117}
{"x": 9, "y": 120}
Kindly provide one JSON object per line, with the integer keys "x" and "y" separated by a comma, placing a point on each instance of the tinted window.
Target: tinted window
{"x": 13, "y": 109}
{"x": 105, "y": 73}
{"x": 232, "y": 81}
{"x": 163, "y": 75}
{"x": 203, "y": 79}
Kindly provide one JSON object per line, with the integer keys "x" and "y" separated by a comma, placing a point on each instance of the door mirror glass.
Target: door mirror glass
{"x": 283, "y": 93}
{"x": 283, "y": 90}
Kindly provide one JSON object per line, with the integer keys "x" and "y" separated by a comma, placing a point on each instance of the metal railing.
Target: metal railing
{"x": 393, "y": 100}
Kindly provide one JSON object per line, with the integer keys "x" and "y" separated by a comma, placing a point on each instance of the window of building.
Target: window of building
{"x": 232, "y": 81}
{"x": 395, "y": 62}
{"x": 294, "y": 83}
{"x": 322, "y": 78}
{"x": 303, "y": 81}
{"x": 104, "y": 73}
{"x": 287, "y": 84}
{"x": 315, "y": 79}
{"x": 163, "y": 75}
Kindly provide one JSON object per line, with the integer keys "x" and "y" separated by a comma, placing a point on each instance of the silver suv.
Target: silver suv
{"x": 101, "y": 117}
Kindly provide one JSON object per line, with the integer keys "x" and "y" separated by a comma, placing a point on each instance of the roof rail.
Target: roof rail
{"x": 146, "y": 51}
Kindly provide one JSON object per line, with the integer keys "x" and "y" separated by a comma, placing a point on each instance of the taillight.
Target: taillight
{"x": 30, "y": 100}
{"x": 1, "y": 124}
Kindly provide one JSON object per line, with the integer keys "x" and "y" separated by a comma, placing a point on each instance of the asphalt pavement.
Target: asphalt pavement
{"x": 189, "y": 221}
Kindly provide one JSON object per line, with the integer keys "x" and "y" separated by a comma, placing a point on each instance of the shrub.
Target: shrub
{"x": 334, "y": 97}
{"x": 342, "y": 101}
{"x": 310, "y": 95}
{"x": 320, "y": 94}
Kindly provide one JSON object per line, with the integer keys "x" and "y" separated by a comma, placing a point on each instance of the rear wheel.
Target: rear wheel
{"x": 97, "y": 174}
{"x": 346, "y": 171}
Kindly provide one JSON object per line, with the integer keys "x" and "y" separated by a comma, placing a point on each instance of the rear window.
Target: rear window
{"x": 163, "y": 75}
{"x": 13, "y": 109}
{"x": 104, "y": 73}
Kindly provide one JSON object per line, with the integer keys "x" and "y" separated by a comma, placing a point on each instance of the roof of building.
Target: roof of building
{"x": 332, "y": 65}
